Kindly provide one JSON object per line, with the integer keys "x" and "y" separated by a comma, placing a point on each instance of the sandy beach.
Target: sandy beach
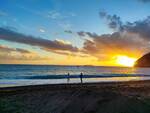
{"x": 118, "y": 97}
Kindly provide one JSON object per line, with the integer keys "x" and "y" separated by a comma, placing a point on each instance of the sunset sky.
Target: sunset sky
{"x": 74, "y": 32}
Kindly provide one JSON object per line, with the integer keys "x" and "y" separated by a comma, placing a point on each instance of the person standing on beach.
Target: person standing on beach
{"x": 68, "y": 77}
{"x": 81, "y": 76}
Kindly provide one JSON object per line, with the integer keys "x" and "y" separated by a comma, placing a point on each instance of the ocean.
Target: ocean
{"x": 21, "y": 75}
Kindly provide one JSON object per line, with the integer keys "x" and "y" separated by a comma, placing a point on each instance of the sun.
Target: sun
{"x": 125, "y": 61}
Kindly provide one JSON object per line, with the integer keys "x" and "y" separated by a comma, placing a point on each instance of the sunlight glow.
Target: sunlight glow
{"x": 125, "y": 61}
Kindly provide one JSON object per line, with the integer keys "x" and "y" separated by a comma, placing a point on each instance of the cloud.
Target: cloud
{"x": 8, "y": 49}
{"x": 108, "y": 45}
{"x": 10, "y": 55}
{"x": 61, "y": 18}
{"x": 54, "y": 14}
{"x": 132, "y": 39}
{"x": 63, "y": 41}
{"x": 82, "y": 33}
{"x": 57, "y": 15}
{"x": 140, "y": 27}
{"x": 56, "y": 45}
{"x": 42, "y": 30}
{"x": 129, "y": 39}
{"x": 68, "y": 31}
{"x": 113, "y": 21}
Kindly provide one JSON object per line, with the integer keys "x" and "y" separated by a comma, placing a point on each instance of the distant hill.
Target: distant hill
{"x": 144, "y": 61}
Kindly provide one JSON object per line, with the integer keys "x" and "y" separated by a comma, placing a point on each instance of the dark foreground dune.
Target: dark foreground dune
{"x": 123, "y": 97}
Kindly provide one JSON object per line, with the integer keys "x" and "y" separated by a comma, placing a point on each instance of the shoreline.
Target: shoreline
{"x": 65, "y": 86}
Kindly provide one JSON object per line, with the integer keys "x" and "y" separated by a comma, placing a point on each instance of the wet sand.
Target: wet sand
{"x": 114, "y": 97}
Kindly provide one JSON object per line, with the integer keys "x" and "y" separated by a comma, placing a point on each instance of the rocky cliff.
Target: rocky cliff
{"x": 144, "y": 61}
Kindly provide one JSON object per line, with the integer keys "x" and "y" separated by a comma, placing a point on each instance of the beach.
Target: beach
{"x": 112, "y": 97}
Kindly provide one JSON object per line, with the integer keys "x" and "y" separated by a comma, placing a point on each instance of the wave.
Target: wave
{"x": 73, "y": 76}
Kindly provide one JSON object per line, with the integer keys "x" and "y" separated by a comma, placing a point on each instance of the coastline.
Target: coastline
{"x": 75, "y": 86}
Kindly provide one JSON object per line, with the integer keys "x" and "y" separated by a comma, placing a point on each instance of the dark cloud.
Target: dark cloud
{"x": 68, "y": 31}
{"x": 110, "y": 44}
{"x": 129, "y": 38}
{"x": 82, "y": 33}
{"x": 113, "y": 21}
{"x": 13, "y": 36}
{"x": 142, "y": 28}
{"x": 8, "y": 49}
{"x": 22, "y": 50}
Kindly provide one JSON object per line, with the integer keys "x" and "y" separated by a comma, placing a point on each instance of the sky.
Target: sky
{"x": 73, "y": 32}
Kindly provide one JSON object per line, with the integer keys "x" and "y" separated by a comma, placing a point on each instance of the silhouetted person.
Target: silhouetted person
{"x": 81, "y": 76}
{"x": 68, "y": 77}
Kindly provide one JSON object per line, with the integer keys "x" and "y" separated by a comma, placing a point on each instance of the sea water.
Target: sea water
{"x": 20, "y": 75}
